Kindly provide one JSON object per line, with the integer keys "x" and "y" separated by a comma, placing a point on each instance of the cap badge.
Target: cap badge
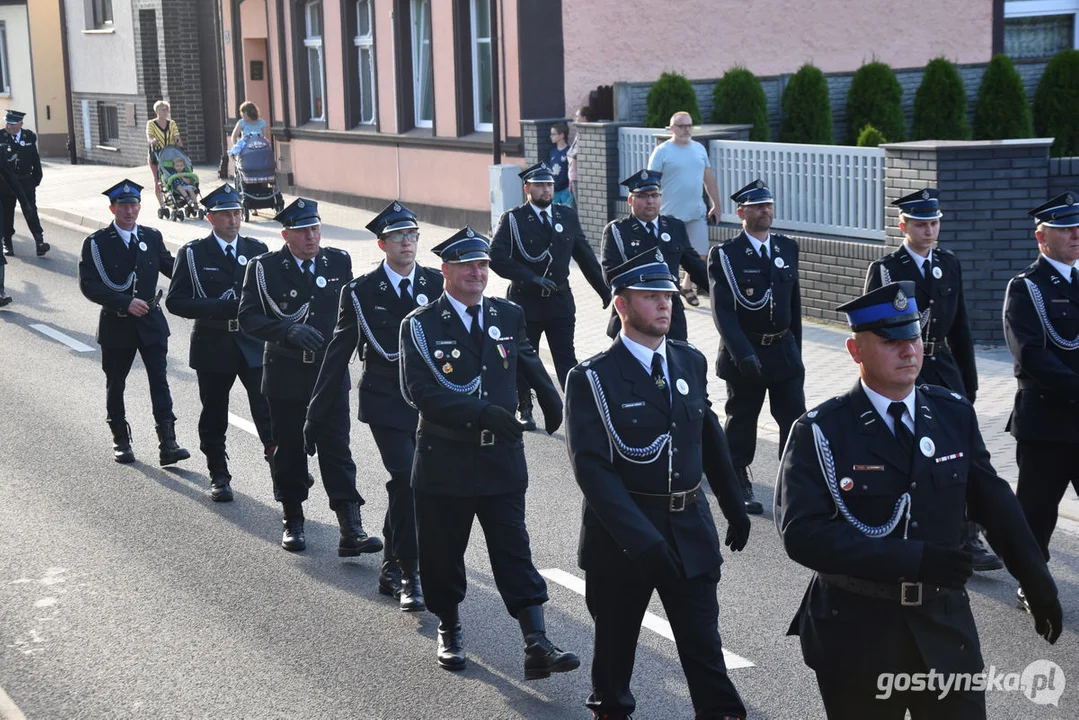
{"x": 925, "y": 194}
{"x": 299, "y": 204}
{"x": 127, "y": 189}
{"x": 397, "y": 207}
{"x": 644, "y": 174}
{"x": 900, "y": 302}
{"x": 759, "y": 184}
{"x": 1069, "y": 199}
{"x": 470, "y": 233}
{"x": 659, "y": 255}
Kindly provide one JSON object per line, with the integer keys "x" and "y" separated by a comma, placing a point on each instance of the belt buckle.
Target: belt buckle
{"x": 545, "y": 293}
{"x": 678, "y": 502}
{"x": 929, "y": 348}
{"x": 309, "y": 357}
{"x": 487, "y": 438}
{"x": 767, "y": 339}
{"x": 121, "y": 313}
{"x": 234, "y": 325}
{"x": 905, "y": 596}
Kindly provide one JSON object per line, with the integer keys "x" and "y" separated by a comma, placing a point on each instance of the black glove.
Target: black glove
{"x": 544, "y": 283}
{"x": 661, "y": 565}
{"x": 737, "y": 531}
{"x": 304, "y": 337}
{"x": 971, "y": 395}
{"x": 945, "y": 566}
{"x": 750, "y": 367}
{"x": 502, "y": 423}
{"x": 606, "y": 297}
{"x": 1048, "y": 617}
{"x": 310, "y": 436}
{"x": 551, "y": 404}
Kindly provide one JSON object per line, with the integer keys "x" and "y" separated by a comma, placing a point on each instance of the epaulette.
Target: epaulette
{"x": 335, "y": 250}
{"x": 1026, "y": 272}
{"x": 263, "y": 255}
{"x": 598, "y": 357}
{"x": 684, "y": 345}
{"x": 826, "y": 407}
{"x": 503, "y": 301}
{"x": 944, "y": 251}
{"x": 936, "y": 391}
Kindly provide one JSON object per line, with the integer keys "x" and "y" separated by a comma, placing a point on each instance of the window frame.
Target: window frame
{"x": 1038, "y": 8}
{"x": 474, "y": 43}
{"x": 100, "y": 15}
{"x": 417, "y": 65}
{"x": 362, "y": 43}
{"x": 105, "y": 138}
{"x": 314, "y": 42}
{"x": 5, "y": 68}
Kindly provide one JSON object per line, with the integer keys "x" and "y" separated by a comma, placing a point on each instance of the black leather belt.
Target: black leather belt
{"x": 309, "y": 357}
{"x": 231, "y": 325}
{"x": 483, "y": 438}
{"x": 909, "y": 594}
{"x": 933, "y": 347}
{"x": 766, "y": 339}
{"x": 672, "y": 502}
{"x": 152, "y": 303}
{"x": 542, "y": 292}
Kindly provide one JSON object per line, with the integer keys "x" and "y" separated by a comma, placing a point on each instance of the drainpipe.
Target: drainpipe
{"x": 496, "y": 96}
{"x": 72, "y": 152}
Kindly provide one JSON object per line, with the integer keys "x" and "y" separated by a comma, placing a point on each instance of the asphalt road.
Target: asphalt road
{"x": 127, "y": 593}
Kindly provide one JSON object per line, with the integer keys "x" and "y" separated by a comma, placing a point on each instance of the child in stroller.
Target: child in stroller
{"x": 181, "y": 185}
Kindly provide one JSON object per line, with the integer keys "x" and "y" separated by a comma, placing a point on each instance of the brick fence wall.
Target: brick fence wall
{"x": 1063, "y": 175}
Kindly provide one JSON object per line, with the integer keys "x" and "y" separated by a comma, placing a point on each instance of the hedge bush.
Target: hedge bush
{"x": 1003, "y": 110}
{"x": 807, "y": 110}
{"x": 870, "y": 137}
{"x": 670, "y": 94}
{"x": 940, "y": 104}
{"x": 739, "y": 99}
{"x": 875, "y": 98}
{"x": 1056, "y": 101}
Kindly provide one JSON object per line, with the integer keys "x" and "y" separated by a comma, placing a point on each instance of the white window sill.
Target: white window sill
{"x": 110, "y": 148}
{"x": 99, "y": 31}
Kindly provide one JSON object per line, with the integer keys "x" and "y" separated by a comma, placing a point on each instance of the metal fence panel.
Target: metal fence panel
{"x": 635, "y": 145}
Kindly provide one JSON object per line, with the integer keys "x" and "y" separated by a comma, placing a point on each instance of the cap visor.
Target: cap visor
{"x": 469, "y": 257}
{"x": 904, "y": 331}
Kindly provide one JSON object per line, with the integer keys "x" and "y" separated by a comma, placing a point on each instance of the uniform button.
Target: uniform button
{"x": 676, "y": 450}
{"x": 932, "y": 301}
{"x": 485, "y": 393}
{"x": 484, "y": 368}
{"x": 914, "y": 485}
{"x": 674, "y": 425}
{"x": 468, "y": 425}
{"x": 954, "y": 476}
{"x": 634, "y": 421}
{"x": 834, "y": 613}
{"x": 914, "y": 524}
{"x": 675, "y": 476}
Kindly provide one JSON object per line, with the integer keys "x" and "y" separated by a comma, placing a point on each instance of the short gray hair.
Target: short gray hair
{"x": 162, "y": 104}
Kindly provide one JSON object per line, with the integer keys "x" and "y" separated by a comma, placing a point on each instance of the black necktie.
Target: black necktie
{"x": 132, "y": 245}
{"x": 927, "y": 269}
{"x": 228, "y": 256}
{"x": 1075, "y": 277}
{"x": 546, "y": 220}
{"x": 476, "y": 331}
{"x": 406, "y": 296}
{"x": 657, "y": 375}
{"x": 764, "y": 252}
{"x": 902, "y": 433}
{"x": 308, "y": 273}
{"x": 651, "y": 229}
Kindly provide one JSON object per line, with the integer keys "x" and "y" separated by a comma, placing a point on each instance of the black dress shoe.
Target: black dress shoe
{"x": 292, "y": 537}
{"x": 42, "y": 248}
{"x": 1024, "y": 604}
{"x": 451, "y": 648}
{"x": 541, "y": 656}
{"x": 354, "y": 539}
{"x": 528, "y": 423}
{"x": 5, "y": 300}
{"x": 9, "y": 250}
{"x": 220, "y": 486}
{"x": 121, "y": 442}
{"x": 389, "y": 578}
{"x": 169, "y": 451}
{"x": 411, "y": 590}
{"x": 984, "y": 558}
{"x": 753, "y": 507}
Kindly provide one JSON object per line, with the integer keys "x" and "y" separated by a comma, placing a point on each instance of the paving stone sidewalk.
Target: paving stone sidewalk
{"x": 71, "y": 195}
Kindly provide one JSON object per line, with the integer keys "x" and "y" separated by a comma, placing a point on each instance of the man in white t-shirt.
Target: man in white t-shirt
{"x": 685, "y": 166}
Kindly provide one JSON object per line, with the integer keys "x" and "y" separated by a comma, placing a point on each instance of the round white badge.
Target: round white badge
{"x": 938, "y": 273}
{"x": 242, "y": 259}
{"x": 682, "y": 385}
{"x": 292, "y": 293}
{"x": 494, "y": 332}
{"x": 846, "y": 484}
{"x": 421, "y": 299}
{"x": 780, "y": 263}
{"x": 665, "y": 237}
{"x": 142, "y": 246}
{"x": 320, "y": 281}
{"x": 439, "y": 354}
{"x": 927, "y": 446}
{"x": 558, "y": 227}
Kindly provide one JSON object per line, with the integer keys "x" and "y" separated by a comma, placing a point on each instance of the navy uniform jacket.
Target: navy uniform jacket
{"x": 1047, "y": 402}
{"x": 381, "y": 402}
{"x": 104, "y": 283}
{"x": 846, "y": 633}
{"x": 446, "y": 466}
{"x": 627, "y": 238}
{"x": 265, "y": 308}
{"x": 566, "y": 239}
{"x": 21, "y": 157}
{"x": 614, "y": 521}
{"x": 941, "y": 299}
{"x": 206, "y": 289}
{"x": 782, "y": 359}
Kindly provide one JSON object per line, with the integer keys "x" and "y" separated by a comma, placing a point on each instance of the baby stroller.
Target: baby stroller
{"x": 177, "y": 177}
{"x": 256, "y": 176}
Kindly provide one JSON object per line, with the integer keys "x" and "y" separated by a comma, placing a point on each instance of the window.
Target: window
{"x": 365, "y": 59}
{"x": 101, "y": 13}
{"x": 312, "y": 43}
{"x": 481, "y": 64}
{"x": 423, "y": 91}
{"x": 108, "y": 123}
{"x": 1040, "y": 28}
{"x": 5, "y": 77}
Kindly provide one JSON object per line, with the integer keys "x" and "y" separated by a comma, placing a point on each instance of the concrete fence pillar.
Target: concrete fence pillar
{"x": 597, "y": 177}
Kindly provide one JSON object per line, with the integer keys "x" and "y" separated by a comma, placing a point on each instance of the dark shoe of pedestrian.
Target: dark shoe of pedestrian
{"x": 451, "y": 646}
{"x": 169, "y": 451}
{"x": 690, "y": 295}
{"x": 292, "y": 537}
{"x": 541, "y": 656}
{"x": 9, "y": 249}
{"x": 610, "y": 716}
{"x": 5, "y": 300}
{"x": 1024, "y": 604}
{"x": 389, "y": 577}
{"x": 121, "y": 442}
{"x": 753, "y": 507}
{"x": 354, "y": 540}
{"x": 310, "y": 481}
{"x": 411, "y": 591}
{"x": 42, "y": 248}
{"x": 220, "y": 481}
{"x": 528, "y": 423}
{"x": 984, "y": 558}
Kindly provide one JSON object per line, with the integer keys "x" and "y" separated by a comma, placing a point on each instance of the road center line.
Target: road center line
{"x": 651, "y": 621}
{"x": 245, "y": 425}
{"x": 61, "y": 337}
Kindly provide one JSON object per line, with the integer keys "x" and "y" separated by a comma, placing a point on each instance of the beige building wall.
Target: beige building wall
{"x": 19, "y": 93}
{"x": 50, "y": 92}
{"x": 701, "y": 39}
{"x": 102, "y": 61}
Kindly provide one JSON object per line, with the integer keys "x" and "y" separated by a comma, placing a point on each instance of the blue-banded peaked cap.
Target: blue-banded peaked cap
{"x": 223, "y": 198}
{"x": 14, "y": 117}
{"x": 643, "y": 181}
{"x": 646, "y": 271}
{"x": 465, "y": 246}
{"x": 890, "y": 311}
{"x": 538, "y": 173}
{"x": 393, "y": 217}
{"x": 299, "y": 213}
{"x": 756, "y": 193}
{"x": 125, "y": 191}
{"x": 1061, "y": 211}
{"x": 920, "y": 205}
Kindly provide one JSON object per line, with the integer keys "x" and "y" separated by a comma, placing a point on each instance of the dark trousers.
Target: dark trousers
{"x": 1045, "y": 469}
{"x": 559, "y": 331}
{"x": 116, "y": 362}
{"x": 786, "y": 400}
{"x": 334, "y": 457}
{"x": 28, "y": 201}
{"x": 617, "y": 597}
{"x": 443, "y": 524}
{"x": 214, "y": 390}
{"x": 397, "y": 448}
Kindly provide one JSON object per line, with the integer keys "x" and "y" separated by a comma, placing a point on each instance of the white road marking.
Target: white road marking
{"x": 245, "y": 425}
{"x": 8, "y": 709}
{"x": 65, "y": 339}
{"x": 651, "y": 621}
